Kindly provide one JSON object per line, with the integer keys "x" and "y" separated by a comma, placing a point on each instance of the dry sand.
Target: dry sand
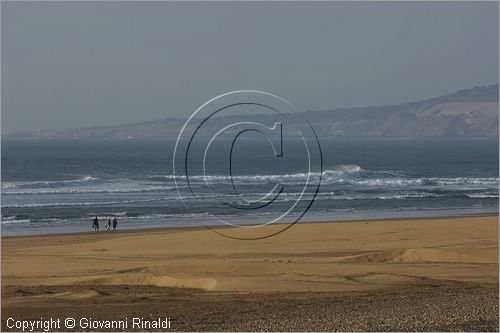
{"x": 414, "y": 274}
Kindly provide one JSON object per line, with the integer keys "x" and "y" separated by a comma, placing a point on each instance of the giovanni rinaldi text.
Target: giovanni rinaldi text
{"x": 50, "y": 324}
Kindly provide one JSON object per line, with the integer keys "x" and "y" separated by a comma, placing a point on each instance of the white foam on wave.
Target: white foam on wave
{"x": 14, "y": 221}
{"x": 98, "y": 203}
{"x": 338, "y": 171}
{"x": 166, "y": 216}
{"x": 123, "y": 189}
{"x": 47, "y": 183}
{"x": 483, "y": 195}
{"x": 350, "y": 174}
{"x": 107, "y": 213}
{"x": 372, "y": 196}
{"x": 347, "y": 168}
{"x": 338, "y": 174}
{"x": 432, "y": 181}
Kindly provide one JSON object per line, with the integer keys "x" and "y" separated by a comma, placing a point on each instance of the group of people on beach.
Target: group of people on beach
{"x": 110, "y": 224}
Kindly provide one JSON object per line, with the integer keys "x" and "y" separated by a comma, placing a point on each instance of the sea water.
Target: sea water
{"x": 55, "y": 186}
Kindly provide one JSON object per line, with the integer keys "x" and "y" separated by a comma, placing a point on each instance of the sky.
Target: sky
{"x": 79, "y": 64}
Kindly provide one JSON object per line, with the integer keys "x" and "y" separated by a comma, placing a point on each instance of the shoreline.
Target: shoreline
{"x": 202, "y": 227}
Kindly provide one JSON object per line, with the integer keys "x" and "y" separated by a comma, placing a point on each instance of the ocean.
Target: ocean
{"x": 58, "y": 186}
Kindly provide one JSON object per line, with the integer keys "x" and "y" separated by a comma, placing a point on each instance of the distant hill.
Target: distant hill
{"x": 466, "y": 113}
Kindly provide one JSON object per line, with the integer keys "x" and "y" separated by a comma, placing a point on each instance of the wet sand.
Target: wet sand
{"x": 414, "y": 274}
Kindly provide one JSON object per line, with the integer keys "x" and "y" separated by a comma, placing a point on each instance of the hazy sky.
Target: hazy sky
{"x": 67, "y": 64}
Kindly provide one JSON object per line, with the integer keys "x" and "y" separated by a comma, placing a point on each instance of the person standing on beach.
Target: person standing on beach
{"x": 95, "y": 225}
{"x": 108, "y": 225}
{"x": 115, "y": 223}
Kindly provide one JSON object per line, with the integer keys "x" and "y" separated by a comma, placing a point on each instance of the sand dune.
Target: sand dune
{"x": 148, "y": 280}
{"x": 418, "y": 255}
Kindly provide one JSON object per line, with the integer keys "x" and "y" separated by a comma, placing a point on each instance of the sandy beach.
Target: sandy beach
{"x": 413, "y": 274}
